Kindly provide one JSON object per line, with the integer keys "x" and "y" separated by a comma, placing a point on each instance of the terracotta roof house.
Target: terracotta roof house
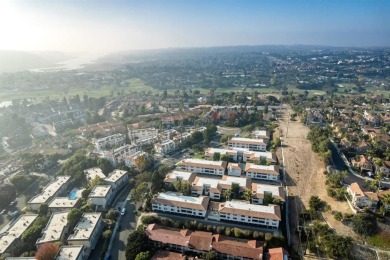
{"x": 278, "y": 253}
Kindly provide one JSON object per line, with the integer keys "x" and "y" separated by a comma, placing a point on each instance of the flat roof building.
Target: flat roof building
{"x": 204, "y": 166}
{"x": 92, "y": 173}
{"x": 176, "y": 203}
{"x": 51, "y": 190}
{"x": 55, "y": 229}
{"x": 251, "y": 144}
{"x": 182, "y": 176}
{"x": 117, "y": 179}
{"x": 101, "y": 195}
{"x": 70, "y": 253}
{"x": 87, "y": 231}
{"x": 259, "y": 191}
{"x": 11, "y": 236}
{"x": 58, "y": 204}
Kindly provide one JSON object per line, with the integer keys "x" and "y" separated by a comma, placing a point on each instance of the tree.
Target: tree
{"x": 107, "y": 234}
{"x": 235, "y": 188}
{"x": 112, "y": 214}
{"x": 247, "y": 195}
{"x": 74, "y": 216}
{"x": 139, "y": 193}
{"x": 143, "y": 256}
{"x": 47, "y": 251}
{"x": 225, "y": 138}
{"x": 144, "y": 162}
{"x": 386, "y": 200}
{"x": 21, "y": 181}
{"x": 96, "y": 181}
{"x": 364, "y": 224}
{"x": 211, "y": 255}
{"x": 7, "y": 195}
{"x": 105, "y": 165}
{"x": 216, "y": 156}
{"x": 316, "y": 203}
{"x": 224, "y": 157}
{"x": 137, "y": 242}
{"x": 43, "y": 209}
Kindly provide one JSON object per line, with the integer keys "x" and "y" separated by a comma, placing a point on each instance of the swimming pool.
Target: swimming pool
{"x": 73, "y": 194}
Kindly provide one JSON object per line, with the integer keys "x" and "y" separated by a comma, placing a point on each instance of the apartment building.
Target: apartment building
{"x": 262, "y": 172}
{"x": 70, "y": 253}
{"x": 53, "y": 189}
{"x": 118, "y": 155}
{"x": 254, "y": 156}
{"x": 166, "y": 147}
{"x": 182, "y": 176}
{"x": 59, "y": 204}
{"x": 137, "y": 135}
{"x": 56, "y": 229}
{"x": 91, "y": 173}
{"x": 234, "y": 169}
{"x": 101, "y": 196}
{"x": 259, "y": 191}
{"x": 10, "y": 237}
{"x": 362, "y": 199}
{"x": 176, "y": 203}
{"x": 214, "y": 188}
{"x": 87, "y": 232}
{"x": 110, "y": 141}
{"x": 261, "y": 134}
{"x": 117, "y": 179}
{"x": 186, "y": 241}
{"x": 233, "y": 154}
{"x": 204, "y": 166}
{"x": 245, "y": 213}
{"x": 248, "y": 143}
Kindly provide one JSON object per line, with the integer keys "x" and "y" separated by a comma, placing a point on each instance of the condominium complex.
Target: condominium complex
{"x": 70, "y": 253}
{"x": 118, "y": 155}
{"x": 110, "y": 141}
{"x": 262, "y": 172}
{"x": 260, "y": 191}
{"x": 56, "y": 229}
{"x": 251, "y": 144}
{"x": 11, "y": 235}
{"x": 101, "y": 196}
{"x": 58, "y": 204}
{"x": 92, "y": 173}
{"x": 176, "y": 203}
{"x": 117, "y": 179}
{"x": 204, "y": 166}
{"x": 182, "y": 176}
{"x": 53, "y": 189}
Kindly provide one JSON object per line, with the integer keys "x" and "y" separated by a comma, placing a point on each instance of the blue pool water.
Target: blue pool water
{"x": 73, "y": 195}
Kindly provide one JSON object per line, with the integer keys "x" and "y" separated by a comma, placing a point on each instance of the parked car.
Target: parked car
{"x": 123, "y": 211}
{"x": 118, "y": 228}
{"x": 13, "y": 203}
{"x": 3, "y": 211}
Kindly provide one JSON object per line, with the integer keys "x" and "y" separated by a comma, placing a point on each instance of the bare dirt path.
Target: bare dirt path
{"x": 305, "y": 173}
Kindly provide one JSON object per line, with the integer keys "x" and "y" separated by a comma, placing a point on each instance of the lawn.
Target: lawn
{"x": 380, "y": 240}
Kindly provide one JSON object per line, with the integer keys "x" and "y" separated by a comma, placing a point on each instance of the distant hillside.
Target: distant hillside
{"x": 11, "y": 61}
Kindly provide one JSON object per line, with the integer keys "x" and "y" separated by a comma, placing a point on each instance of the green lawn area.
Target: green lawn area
{"x": 380, "y": 240}
{"x": 198, "y": 156}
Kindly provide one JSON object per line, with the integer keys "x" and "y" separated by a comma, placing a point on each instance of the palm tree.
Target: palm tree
{"x": 247, "y": 195}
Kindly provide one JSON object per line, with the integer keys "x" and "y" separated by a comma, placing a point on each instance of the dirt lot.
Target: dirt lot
{"x": 305, "y": 174}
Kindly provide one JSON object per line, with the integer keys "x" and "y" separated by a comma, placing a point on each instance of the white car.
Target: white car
{"x": 123, "y": 211}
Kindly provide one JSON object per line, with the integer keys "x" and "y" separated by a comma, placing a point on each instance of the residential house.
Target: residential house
{"x": 87, "y": 232}
{"x": 53, "y": 189}
{"x": 262, "y": 172}
{"x": 176, "y": 203}
{"x": 363, "y": 164}
{"x": 362, "y": 199}
{"x": 278, "y": 253}
{"x": 248, "y": 143}
{"x": 204, "y": 166}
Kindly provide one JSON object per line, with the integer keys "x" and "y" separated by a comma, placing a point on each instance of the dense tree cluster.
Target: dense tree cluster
{"x": 320, "y": 143}
{"x": 7, "y": 195}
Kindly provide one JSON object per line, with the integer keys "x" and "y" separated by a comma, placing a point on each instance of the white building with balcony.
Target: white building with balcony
{"x": 110, "y": 141}
{"x": 204, "y": 166}
{"x": 117, "y": 179}
{"x": 118, "y": 155}
{"x": 248, "y": 143}
{"x": 176, "y": 203}
{"x": 262, "y": 172}
{"x": 259, "y": 191}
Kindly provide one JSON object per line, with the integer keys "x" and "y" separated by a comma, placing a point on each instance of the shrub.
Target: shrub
{"x": 364, "y": 224}
{"x": 338, "y": 216}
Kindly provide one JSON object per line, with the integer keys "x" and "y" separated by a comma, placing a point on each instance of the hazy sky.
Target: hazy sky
{"x": 110, "y": 25}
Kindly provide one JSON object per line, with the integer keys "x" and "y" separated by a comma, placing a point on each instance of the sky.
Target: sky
{"x": 105, "y": 26}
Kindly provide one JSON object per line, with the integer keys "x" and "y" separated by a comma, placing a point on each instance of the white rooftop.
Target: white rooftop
{"x": 247, "y": 140}
{"x": 260, "y": 132}
{"x": 204, "y": 162}
{"x": 63, "y": 202}
{"x": 242, "y": 205}
{"x": 85, "y": 226}
{"x": 220, "y": 150}
{"x": 124, "y": 147}
{"x": 69, "y": 252}
{"x": 54, "y": 228}
{"x": 261, "y": 188}
{"x": 182, "y": 175}
{"x": 100, "y": 191}
{"x": 92, "y": 173}
{"x": 226, "y": 180}
{"x": 259, "y": 154}
{"x": 180, "y": 198}
{"x": 115, "y": 175}
{"x": 50, "y": 190}
{"x": 118, "y": 135}
{"x": 15, "y": 230}
{"x": 263, "y": 167}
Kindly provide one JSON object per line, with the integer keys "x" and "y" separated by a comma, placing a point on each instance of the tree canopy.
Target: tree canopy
{"x": 137, "y": 242}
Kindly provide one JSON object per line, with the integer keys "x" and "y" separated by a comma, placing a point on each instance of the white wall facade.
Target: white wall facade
{"x": 179, "y": 210}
